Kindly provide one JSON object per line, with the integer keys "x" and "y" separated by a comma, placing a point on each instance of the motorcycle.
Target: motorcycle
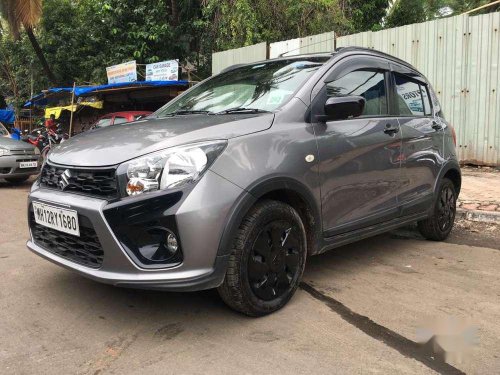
{"x": 54, "y": 138}
{"x": 37, "y": 140}
{"x": 45, "y": 139}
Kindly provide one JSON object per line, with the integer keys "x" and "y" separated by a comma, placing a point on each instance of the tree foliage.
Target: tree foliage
{"x": 405, "y": 12}
{"x": 81, "y": 37}
{"x": 366, "y": 15}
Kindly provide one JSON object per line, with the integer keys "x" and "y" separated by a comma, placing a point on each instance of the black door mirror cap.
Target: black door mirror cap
{"x": 342, "y": 108}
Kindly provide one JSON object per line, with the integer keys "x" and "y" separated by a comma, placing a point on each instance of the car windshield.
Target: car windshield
{"x": 260, "y": 87}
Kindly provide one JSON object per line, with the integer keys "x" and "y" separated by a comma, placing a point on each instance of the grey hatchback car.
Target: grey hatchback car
{"x": 233, "y": 184}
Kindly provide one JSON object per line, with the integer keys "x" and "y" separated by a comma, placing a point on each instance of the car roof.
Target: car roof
{"x": 338, "y": 52}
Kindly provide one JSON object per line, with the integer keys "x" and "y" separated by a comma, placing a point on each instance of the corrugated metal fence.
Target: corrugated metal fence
{"x": 309, "y": 44}
{"x": 459, "y": 55}
{"x": 221, "y": 60}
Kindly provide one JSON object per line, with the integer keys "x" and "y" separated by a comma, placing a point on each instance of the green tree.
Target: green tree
{"x": 462, "y": 6}
{"x": 26, "y": 13}
{"x": 405, "y": 12}
{"x": 17, "y": 68}
{"x": 236, "y": 23}
{"x": 366, "y": 15}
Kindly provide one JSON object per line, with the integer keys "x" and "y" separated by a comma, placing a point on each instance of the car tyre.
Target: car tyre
{"x": 16, "y": 180}
{"x": 267, "y": 260}
{"x": 439, "y": 225}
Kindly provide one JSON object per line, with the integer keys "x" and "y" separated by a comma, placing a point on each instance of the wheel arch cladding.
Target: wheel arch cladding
{"x": 454, "y": 175}
{"x": 281, "y": 189}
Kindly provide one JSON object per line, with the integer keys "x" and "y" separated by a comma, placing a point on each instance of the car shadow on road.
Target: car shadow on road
{"x": 133, "y": 304}
{"x": 26, "y": 185}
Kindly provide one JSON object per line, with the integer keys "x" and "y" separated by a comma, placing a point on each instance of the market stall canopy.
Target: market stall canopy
{"x": 7, "y": 116}
{"x": 56, "y": 111}
{"x": 55, "y": 94}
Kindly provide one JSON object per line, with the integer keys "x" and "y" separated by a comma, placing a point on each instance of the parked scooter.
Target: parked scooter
{"x": 53, "y": 138}
{"x": 38, "y": 140}
{"x": 45, "y": 139}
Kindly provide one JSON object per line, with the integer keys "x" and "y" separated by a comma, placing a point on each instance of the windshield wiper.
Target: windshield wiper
{"x": 241, "y": 110}
{"x": 187, "y": 112}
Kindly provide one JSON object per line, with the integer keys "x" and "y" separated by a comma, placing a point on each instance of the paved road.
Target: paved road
{"x": 358, "y": 311}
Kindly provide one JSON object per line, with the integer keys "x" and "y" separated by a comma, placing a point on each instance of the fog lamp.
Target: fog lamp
{"x": 172, "y": 243}
{"x": 161, "y": 245}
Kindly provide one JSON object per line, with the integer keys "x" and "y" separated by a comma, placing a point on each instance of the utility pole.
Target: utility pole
{"x": 71, "y": 107}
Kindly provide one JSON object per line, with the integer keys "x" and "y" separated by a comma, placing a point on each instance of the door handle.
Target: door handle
{"x": 391, "y": 129}
{"x": 436, "y": 126}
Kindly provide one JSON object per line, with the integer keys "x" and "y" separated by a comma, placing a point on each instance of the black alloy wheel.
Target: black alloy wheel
{"x": 274, "y": 261}
{"x": 267, "y": 259}
{"x": 438, "y": 226}
{"x": 446, "y": 208}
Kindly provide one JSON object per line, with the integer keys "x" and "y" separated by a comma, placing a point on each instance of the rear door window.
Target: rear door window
{"x": 412, "y": 97}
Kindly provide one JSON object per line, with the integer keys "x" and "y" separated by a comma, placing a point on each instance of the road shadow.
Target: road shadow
{"x": 134, "y": 304}
{"x": 26, "y": 185}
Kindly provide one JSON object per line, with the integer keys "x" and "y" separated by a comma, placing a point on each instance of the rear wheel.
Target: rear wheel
{"x": 16, "y": 180}
{"x": 439, "y": 225}
{"x": 267, "y": 260}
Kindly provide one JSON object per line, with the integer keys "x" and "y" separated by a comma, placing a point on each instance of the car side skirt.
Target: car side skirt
{"x": 333, "y": 242}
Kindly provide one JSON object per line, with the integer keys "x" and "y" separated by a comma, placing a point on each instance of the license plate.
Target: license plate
{"x": 28, "y": 164}
{"x": 60, "y": 219}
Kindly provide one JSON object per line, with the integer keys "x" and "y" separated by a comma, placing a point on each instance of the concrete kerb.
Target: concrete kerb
{"x": 477, "y": 215}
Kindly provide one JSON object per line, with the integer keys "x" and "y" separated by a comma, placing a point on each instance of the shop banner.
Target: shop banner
{"x": 126, "y": 72}
{"x": 163, "y": 71}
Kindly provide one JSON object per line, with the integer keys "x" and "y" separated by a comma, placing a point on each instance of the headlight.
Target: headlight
{"x": 37, "y": 151}
{"x": 171, "y": 168}
{"x": 4, "y": 152}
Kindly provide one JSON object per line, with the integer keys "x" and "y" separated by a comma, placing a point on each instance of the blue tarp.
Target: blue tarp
{"x": 44, "y": 98}
{"x": 7, "y": 116}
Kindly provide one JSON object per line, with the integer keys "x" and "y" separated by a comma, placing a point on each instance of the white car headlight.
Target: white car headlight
{"x": 4, "y": 152}
{"x": 171, "y": 168}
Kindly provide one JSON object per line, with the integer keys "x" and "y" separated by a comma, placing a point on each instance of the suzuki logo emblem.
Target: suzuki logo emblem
{"x": 64, "y": 181}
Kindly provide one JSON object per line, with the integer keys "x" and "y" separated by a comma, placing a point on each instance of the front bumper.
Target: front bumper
{"x": 200, "y": 218}
{"x": 10, "y": 166}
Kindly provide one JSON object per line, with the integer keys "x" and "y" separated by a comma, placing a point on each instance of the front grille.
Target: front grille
{"x": 85, "y": 250}
{"x": 22, "y": 152}
{"x": 94, "y": 182}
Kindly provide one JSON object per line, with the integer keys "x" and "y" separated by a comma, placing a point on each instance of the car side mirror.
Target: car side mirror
{"x": 342, "y": 108}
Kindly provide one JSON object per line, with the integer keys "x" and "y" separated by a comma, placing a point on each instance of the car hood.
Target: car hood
{"x": 118, "y": 143}
{"x": 13, "y": 144}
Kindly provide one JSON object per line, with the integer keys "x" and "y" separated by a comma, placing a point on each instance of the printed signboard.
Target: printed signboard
{"x": 126, "y": 72}
{"x": 163, "y": 71}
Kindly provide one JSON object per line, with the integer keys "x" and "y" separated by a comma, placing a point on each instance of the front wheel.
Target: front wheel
{"x": 439, "y": 225}
{"x": 267, "y": 260}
